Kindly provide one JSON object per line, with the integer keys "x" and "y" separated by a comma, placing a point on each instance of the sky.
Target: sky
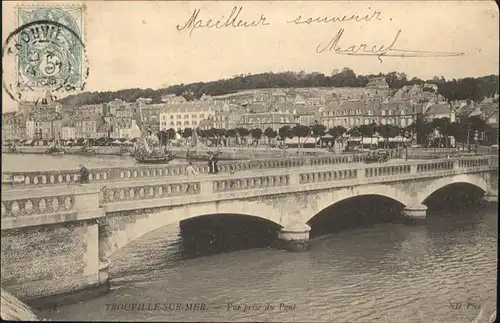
{"x": 137, "y": 44}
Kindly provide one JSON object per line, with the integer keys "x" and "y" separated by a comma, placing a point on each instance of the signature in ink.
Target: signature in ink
{"x": 231, "y": 21}
{"x": 377, "y": 50}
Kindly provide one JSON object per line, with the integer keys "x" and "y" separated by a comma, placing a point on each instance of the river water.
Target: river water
{"x": 362, "y": 271}
{"x": 41, "y": 162}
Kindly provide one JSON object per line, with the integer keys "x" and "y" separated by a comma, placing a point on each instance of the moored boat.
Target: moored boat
{"x": 145, "y": 155}
{"x": 55, "y": 151}
{"x": 154, "y": 159}
{"x": 85, "y": 150}
{"x": 201, "y": 151}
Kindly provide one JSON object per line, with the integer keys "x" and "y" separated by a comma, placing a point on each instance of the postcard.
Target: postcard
{"x": 278, "y": 161}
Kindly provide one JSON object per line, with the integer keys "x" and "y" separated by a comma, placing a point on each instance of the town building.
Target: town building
{"x": 43, "y": 126}
{"x": 438, "y": 111}
{"x": 150, "y": 117}
{"x": 187, "y": 115}
{"x": 225, "y": 119}
{"x": 68, "y": 131}
{"x": 86, "y": 127}
{"x": 378, "y": 83}
{"x": 398, "y": 114}
{"x": 13, "y": 126}
{"x": 172, "y": 98}
{"x": 264, "y": 120}
{"x": 91, "y": 110}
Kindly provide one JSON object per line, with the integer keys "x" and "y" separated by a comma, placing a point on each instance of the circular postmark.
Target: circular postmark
{"x": 41, "y": 56}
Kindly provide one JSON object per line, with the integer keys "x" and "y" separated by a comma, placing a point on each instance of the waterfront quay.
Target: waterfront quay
{"x": 72, "y": 231}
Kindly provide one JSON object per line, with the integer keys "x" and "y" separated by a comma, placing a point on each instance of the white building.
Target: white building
{"x": 30, "y": 129}
{"x": 68, "y": 132}
{"x": 187, "y": 115}
{"x": 124, "y": 133}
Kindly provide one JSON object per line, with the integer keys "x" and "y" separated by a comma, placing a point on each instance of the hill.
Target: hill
{"x": 468, "y": 88}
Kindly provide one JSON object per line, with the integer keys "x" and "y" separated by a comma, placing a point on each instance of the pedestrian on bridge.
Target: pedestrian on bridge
{"x": 215, "y": 165}
{"x": 83, "y": 178}
{"x": 211, "y": 164}
{"x": 190, "y": 171}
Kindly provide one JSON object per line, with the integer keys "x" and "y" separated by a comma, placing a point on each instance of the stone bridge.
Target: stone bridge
{"x": 57, "y": 239}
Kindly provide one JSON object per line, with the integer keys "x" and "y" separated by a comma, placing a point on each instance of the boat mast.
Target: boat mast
{"x": 146, "y": 146}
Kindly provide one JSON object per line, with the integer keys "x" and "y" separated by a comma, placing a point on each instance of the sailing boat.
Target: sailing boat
{"x": 145, "y": 155}
{"x": 85, "y": 150}
{"x": 56, "y": 148}
{"x": 201, "y": 151}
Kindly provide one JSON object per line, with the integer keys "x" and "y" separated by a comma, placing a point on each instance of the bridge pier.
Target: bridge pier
{"x": 491, "y": 197}
{"x": 294, "y": 237}
{"x": 415, "y": 213}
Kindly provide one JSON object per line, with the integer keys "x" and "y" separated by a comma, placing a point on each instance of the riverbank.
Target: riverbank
{"x": 226, "y": 153}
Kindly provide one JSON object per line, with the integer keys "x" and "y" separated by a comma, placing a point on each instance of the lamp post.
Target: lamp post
{"x": 476, "y": 139}
{"x": 407, "y": 136}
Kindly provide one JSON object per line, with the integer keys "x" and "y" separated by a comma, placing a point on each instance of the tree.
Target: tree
{"x": 187, "y": 133}
{"x": 336, "y": 132}
{"x": 301, "y": 131}
{"x": 256, "y": 135}
{"x": 365, "y": 132}
{"x": 270, "y": 133}
{"x": 163, "y": 137}
{"x": 423, "y": 130}
{"x": 285, "y": 132}
{"x": 385, "y": 132}
{"x": 231, "y": 133}
{"x": 476, "y": 124}
{"x": 242, "y": 133}
{"x": 442, "y": 126}
{"x": 170, "y": 134}
{"x": 467, "y": 88}
{"x": 318, "y": 130}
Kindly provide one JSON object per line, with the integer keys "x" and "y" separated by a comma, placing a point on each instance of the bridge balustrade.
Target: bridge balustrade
{"x": 17, "y": 204}
{"x": 473, "y": 162}
{"x": 327, "y": 176}
{"x": 435, "y": 166}
{"x": 387, "y": 170}
{"x": 97, "y": 175}
{"x": 146, "y": 192}
{"x": 37, "y": 205}
{"x": 250, "y": 183}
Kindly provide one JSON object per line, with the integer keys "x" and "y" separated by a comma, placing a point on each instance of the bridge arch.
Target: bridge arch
{"x": 332, "y": 197}
{"x": 123, "y": 229}
{"x": 475, "y": 180}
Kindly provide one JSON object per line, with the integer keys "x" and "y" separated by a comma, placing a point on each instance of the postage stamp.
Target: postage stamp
{"x": 46, "y": 52}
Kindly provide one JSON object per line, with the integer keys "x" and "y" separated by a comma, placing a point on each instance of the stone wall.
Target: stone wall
{"x": 41, "y": 261}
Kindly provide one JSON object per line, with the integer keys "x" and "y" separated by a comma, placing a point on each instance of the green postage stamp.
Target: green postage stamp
{"x": 46, "y": 52}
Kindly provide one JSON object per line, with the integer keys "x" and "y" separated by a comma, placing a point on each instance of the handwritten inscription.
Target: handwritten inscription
{"x": 232, "y": 21}
{"x": 335, "y": 45}
{"x": 359, "y": 49}
{"x": 364, "y": 49}
{"x": 375, "y": 15}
